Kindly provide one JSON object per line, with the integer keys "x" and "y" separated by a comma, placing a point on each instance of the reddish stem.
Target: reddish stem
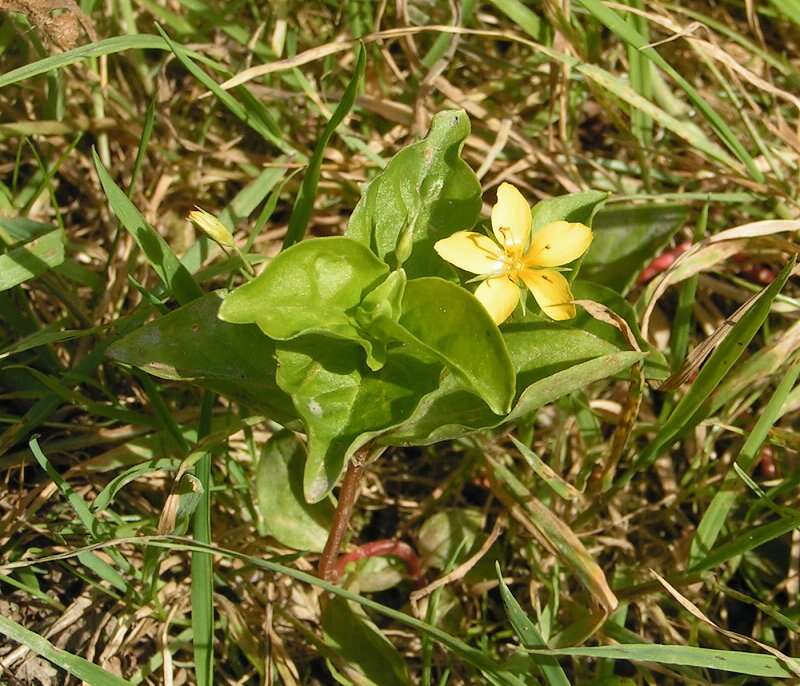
{"x": 387, "y": 546}
{"x": 341, "y": 518}
{"x": 663, "y": 262}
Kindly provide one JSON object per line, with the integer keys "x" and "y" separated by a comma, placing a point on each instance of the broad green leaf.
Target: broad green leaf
{"x": 193, "y": 344}
{"x": 626, "y": 238}
{"x": 539, "y": 346}
{"x": 304, "y": 202}
{"x": 343, "y": 405}
{"x": 16, "y": 230}
{"x": 575, "y": 207}
{"x": 279, "y": 496}
{"x": 451, "y": 411}
{"x": 31, "y": 259}
{"x": 78, "y": 667}
{"x": 363, "y": 653}
{"x": 426, "y": 193}
{"x": 446, "y": 533}
{"x": 450, "y": 323}
{"x": 312, "y": 287}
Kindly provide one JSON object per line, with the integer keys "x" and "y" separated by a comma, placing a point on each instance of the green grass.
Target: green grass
{"x": 106, "y": 146}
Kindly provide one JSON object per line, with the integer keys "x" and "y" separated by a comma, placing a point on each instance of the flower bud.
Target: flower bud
{"x": 212, "y": 226}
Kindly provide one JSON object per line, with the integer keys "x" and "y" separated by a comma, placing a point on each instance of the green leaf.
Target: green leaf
{"x": 362, "y": 652}
{"x": 76, "y": 666}
{"x": 540, "y": 347}
{"x": 656, "y": 365}
{"x": 313, "y": 287}
{"x": 746, "y": 540}
{"x": 574, "y": 207}
{"x": 279, "y": 496}
{"x": 160, "y": 256}
{"x": 31, "y": 259}
{"x": 626, "y": 238}
{"x": 426, "y": 193}
{"x": 451, "y": 411}
{"x": 523, "y": 17}
{"x": 304, "y": 202}
{"x": 343, "y": 405}
{"x": 447, "y": 533}
{"x": 449, "y": 322}
{"x": 193, "y": 344}
{"x": 252, "y": 113}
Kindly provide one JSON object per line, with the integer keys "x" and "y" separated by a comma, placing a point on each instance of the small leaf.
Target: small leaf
{"x": 447, "y": 533}
{"x": 193, "y": 344}
{"x": 311, "y": 287}
{"x": 539, "y": 347}
{"x": 625, "y": 238}
{"x": 362, "y": 652}
{"x": 426, "y": 193}
{"x": 575, "y": 207}
{"x": 531, "y": 637}
{"x": 279, "y": 496}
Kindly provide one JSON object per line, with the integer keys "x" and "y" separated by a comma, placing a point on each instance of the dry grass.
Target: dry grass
{"x": 547, "y": 126}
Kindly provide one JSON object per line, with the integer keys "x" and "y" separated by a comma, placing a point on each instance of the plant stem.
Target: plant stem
{"x": 341, "y": 518}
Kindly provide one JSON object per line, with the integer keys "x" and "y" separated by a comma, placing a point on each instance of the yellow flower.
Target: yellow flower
{"x": 216, "y": 230}
{"x": 520, "y": 258}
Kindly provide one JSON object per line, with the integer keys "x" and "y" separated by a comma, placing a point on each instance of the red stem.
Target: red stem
{"x": 397, "y": 549}
{"x": 341, "y": 518}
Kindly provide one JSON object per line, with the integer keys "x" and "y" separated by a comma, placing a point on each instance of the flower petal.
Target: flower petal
{"x": 558, "y": 243}
{"x": 511, "y": 218}
{"x": 551, "y": 291}
{"x": 499, "y": 296}
{"x": 472, "y": 252}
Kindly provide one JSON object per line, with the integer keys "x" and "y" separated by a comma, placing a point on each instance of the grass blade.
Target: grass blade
{"x": 99, "y": 566}
{"x": 754, "y": 664}
{"x": 168, "y": 267}
{"x": 714, "y": 517}
{"x": 71, "y": 664}
{"x": 748, "y": 540}
{"x": 530, "y": 637}
{"x": 250, "y": 114}
{"x": 630, "y": 35}
{"x": 304, "y": 202}
{"x": 202, "y": 567}
{"x": 689, "y": 411}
